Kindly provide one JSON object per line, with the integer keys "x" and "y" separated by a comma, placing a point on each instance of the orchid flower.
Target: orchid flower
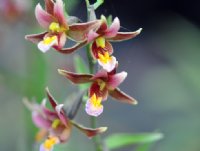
{"x": 103, "y": 84}
{"x": 59, "y": 28}
{"x": 55, "y": 124}
{"x": 101, "y": 48}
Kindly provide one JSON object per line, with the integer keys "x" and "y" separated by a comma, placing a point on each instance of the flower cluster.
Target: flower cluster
{"x": 103, "y": 84}
{"x": 97, "y": 35}
{"x": 59, "y": 27}
{"x": 55, "y": 125}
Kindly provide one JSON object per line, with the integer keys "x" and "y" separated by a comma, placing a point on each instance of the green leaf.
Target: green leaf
{"x": 144, "y": 147}
{"x": 36, "y": 75}
{"x": 81, "y": 67}
{"x": 119, "y": 140}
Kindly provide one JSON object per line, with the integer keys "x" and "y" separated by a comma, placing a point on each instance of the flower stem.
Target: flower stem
{"x": 97, "y": 139}
{"x": 93, "y": 122}
{"x": 90, "y": 60}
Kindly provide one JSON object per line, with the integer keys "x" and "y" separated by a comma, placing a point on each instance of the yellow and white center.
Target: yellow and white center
{"x": 49, "y": 40}
{"x": 104, "y": 58}
{"x": 47, "y": 43}
{"x": 93, "y": 106}
{"x": 106, "y": 61}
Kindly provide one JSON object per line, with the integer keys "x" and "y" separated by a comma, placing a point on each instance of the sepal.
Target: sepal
{"x": 122, "y": 96}
{"x": 78, "y": 31}
{"x": 36, "y": 38}
{"x": 43, "y": 18}
{"x": 121, "y": 36}
{"x": 75, "y": 78}
{"x": 90, "y": 132}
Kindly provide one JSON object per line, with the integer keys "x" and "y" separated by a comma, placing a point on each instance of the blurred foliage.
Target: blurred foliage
{"x": 173, "y": 88}
{"x": 115, "y": 141}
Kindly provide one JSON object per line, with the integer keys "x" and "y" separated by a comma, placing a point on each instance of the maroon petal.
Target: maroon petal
{"x": 95, "y": 88}
{"x": 125, "y": 35}
{"x": 122, "y": 97}
{"x": 90, "y": 132}
{"x": 59, "y": 12}
{"x": 113, "y": 29}
{"x": 43, "y": 18}
{"x": 35, "y": 38}
{"x": 75, "y": 77}
{"x": 58, "y": 108}
{"x": 72, "y": 49}
{"x": 62, "y": 38}
{"x": 51, "y": 99}
{"x": 103, "y": 27}
{"x": 109, "y": 47}
{"x": 95, "y": 50}
{"x": 49, "y": 6}
{"x": 79, "y": 31}
{"x": 48, "y": 113}
{"x": 115, "y": 80}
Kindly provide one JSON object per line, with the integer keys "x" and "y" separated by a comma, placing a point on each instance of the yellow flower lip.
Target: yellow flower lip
{"x": 104, "y": 58}
{"x": 96, "y": 101}
{"x": 47, "y": 43}
{"x": 50, "y": 142}
{"x": 49, "y": 40}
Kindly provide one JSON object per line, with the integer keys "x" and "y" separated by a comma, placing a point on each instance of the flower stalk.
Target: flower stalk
{"x": 91, "y": 62}
{"x": 97, "y": 139}
{"x": 93, "y": 121}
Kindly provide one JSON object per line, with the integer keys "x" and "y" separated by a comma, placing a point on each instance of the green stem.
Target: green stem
{"x": 90, "y": 60}
{"x": 93, "y": 122}
{"x": 97, "y": 139}
{"x": 92, "y": 16}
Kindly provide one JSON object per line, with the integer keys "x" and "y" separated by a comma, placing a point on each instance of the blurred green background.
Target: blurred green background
{"x": 163, "y": 68}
